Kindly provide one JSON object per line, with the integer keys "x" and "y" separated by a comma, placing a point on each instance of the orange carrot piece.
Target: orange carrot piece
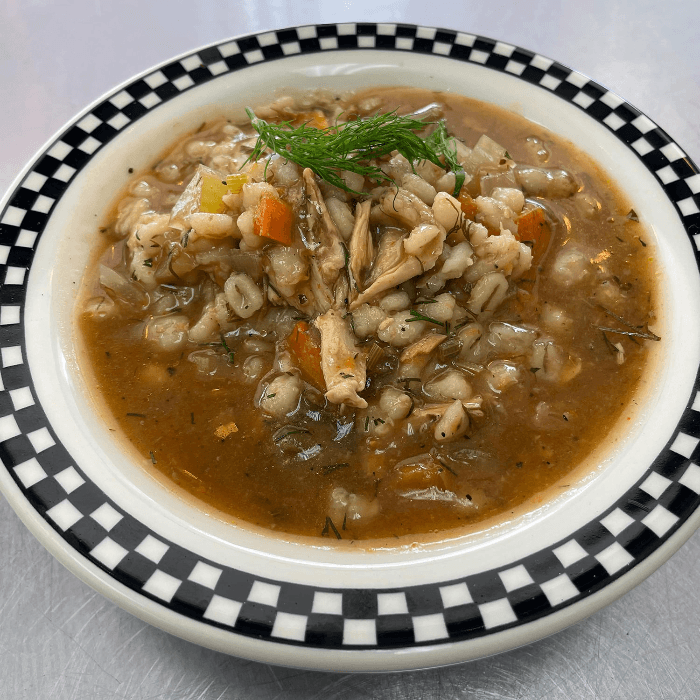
{"x": 273, "y": 219}
{"x": 317, "y": 119}
{"x": 531, "y": 225}
{"x": 533, "y": 229}
{"x": 468, "y": 205}
{"x": 305, "y": 350}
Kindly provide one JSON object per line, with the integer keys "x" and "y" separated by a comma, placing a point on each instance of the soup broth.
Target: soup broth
{"x": 379, "y": 355}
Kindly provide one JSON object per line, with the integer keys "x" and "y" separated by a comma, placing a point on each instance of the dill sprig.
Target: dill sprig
{"x": 416, "y": 316}
{"x": 444, "y": 144}
{"x": 351, "y": 145}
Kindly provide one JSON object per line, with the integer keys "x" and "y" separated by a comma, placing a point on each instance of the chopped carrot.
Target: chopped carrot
{"x": 531, "y": 225}
{"x": 235, "y": 182}
{"x": 468, "y": 205}
{"x": 213, "y": 189}
{"x": 273, "y": 219}
{"x": 305, "y": 349}
{"x": 317, "y": 119}
{"x": 534, "y": 230}
{"x": 223, "y": 431}
{"x": 420, "y": 475}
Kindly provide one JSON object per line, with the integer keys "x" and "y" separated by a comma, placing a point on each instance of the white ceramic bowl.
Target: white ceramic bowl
{"x": 291, "y": 602}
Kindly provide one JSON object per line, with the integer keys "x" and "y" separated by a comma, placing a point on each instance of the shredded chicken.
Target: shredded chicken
{"x": 343, "y": 364}
{"x": 325, "y": 243}
{"x": 361, "y": 247}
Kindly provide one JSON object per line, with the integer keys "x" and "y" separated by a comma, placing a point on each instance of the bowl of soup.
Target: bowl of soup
{"x": 355, "y": 350}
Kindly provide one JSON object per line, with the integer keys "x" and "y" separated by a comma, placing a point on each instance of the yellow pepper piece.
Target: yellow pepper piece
{"x": 235, "y": 182}
{"x": 213, "y": 189}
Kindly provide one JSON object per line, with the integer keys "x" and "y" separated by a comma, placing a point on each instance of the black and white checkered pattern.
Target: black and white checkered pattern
{"x": 91, "y": 523}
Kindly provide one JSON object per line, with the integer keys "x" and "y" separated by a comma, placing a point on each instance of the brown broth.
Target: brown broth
{"x": 169, "y": 410}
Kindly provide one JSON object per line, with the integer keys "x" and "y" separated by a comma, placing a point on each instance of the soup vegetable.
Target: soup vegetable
{"x": 393, "y": 313}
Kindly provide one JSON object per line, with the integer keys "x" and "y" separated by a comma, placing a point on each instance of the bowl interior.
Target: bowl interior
{"x": 64, "y": 253}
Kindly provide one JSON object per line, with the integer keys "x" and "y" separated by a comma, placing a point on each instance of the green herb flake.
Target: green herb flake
{"x": 148, "y": 262}
{"x": 153, "y": 457}
{"x": 415, "y": 316}
{"x": 448, "y": 467}
{"x": 648, "y": 335}
{"x": 330, "y": 527}
{"x": 334, "y": 467}
{"x": 228, "y": 350}
{"x": 279, "y": 438}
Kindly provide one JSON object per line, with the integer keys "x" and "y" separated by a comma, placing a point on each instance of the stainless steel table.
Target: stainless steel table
{"x": 59, "y": 639}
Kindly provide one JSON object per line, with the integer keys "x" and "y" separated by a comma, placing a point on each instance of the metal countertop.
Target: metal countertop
{"x": 62, "y": 641}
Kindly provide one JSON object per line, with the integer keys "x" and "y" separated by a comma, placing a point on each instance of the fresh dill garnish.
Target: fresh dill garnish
{"x": 444, "y": 145}
{"x": 228, "y": 350}
{"x": 366, "y": 423}
{"x": 345, "y": 375}
{"x": 148, "y": 262}
{"x": 351, "y": 145}
{"x": 270, "y": 396}
{"x": 153, "y": 457}
{"x": 377, "y": 421}
{"x": 329, "y": 524}
{"x": 415, "y": 316}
